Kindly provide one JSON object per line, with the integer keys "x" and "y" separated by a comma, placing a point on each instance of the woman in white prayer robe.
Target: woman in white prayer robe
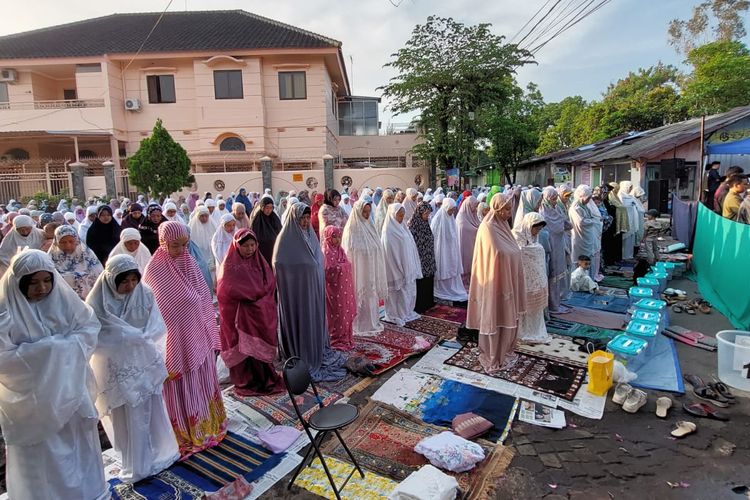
{"x": 629, "y": 237}
{"x": 362, "y": 245}
{"x": 48, "y": 417}
{"x": 402, "y": 267}
{"x": 531, "y": 326}
{"x": 448, "y": 282}
{"x": 586, "y": 226}
{"x": 129, "y": 367}
{"x": 202, "y": 230}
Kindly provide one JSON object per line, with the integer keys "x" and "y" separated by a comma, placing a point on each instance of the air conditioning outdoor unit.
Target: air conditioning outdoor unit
{"x": 8, "y": 75}
{"x": 132, "y": 104}
{"x": 5, "y": 157}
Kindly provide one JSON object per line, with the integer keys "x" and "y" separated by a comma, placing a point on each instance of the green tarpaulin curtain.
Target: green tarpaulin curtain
{"x": 721, "y": 257}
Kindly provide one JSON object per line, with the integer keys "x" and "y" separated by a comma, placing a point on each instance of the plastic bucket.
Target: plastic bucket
{"x": 734, "y": 358}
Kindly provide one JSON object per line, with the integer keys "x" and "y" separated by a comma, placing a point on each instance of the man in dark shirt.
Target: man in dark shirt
{"x": 712, "y": 184}
{"x": 721, "y": 192}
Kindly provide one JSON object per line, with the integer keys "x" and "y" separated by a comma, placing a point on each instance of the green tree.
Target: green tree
{"x": 565, "y": 132}
{"x": 720, "y": 79}
{"x": 449, "y": 72}
{"x": 712, "y": 20}
{"x": 645, "y": 99}
{"x": 160, "y": 166}
{"x": 513, "y": 129}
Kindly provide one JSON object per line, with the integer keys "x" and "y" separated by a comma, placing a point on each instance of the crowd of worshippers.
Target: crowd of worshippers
{"x": 110, "y": 311}
{"x": 728, "y": 195}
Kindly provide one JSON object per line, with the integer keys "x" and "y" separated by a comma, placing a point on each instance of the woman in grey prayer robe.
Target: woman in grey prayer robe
{"x": 300, "y": 278}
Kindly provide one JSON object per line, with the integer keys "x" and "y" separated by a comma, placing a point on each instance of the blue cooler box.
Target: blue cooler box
{"x": 661, "y": 278}
{"x": 644, "y": 331}
{"x": 655, "y": 305}
{"x": 646, "y": 316}
{"x": 628, "y": 350}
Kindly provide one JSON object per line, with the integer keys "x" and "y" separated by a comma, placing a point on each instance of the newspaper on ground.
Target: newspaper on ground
{"x": 539, "y": 414}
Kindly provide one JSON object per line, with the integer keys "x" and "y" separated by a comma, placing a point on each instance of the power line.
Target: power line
{"x": 563, "y": 16}
{"x": 539, "y": 22}
{"x": 529, "y": 21}
{"x": 569, "y": 25}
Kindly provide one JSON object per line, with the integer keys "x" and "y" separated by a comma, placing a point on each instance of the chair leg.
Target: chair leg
{"x": 303, "y": 463}
{"x": 354, "y": 460}
{"x": 328, "y": 473}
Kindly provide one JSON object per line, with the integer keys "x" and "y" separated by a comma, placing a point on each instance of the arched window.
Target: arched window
{"x": 86, "y": 153}
{"x": 18, "y": 154}
{"x": 232, "y": 144}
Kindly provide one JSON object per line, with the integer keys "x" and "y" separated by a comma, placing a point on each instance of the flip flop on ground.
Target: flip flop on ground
{"x": 683, "y": 428}
{"x": 663, "y": 404}
{"x": 704, "y": 410}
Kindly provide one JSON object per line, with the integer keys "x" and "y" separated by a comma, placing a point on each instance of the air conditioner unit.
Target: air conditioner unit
{"x": 8, "y": 75}
{"x": 5, "y": 157}
{"x": 132, "y": 104}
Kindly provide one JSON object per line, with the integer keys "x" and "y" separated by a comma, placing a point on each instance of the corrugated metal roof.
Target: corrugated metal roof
{"x": 646, "y": 144}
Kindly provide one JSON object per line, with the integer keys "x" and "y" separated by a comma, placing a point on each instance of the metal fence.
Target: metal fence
{"x": 22, "y": 179}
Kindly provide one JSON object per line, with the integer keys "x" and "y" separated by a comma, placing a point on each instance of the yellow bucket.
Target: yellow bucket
{"x": 601, "y": 370}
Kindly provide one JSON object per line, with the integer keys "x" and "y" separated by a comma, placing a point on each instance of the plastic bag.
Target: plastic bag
{"x": 450, "y": 452}
{"x": 622, "y": 375}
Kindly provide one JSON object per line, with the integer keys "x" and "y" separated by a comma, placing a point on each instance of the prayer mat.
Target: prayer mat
{"x": 373, "y": 487}
{"x": 545, "y": 375}
{"x": 559, "y": 348}
{"x": 601, "y": 319}
{"x": 617, "y": 282}
{"x": 599, "y": 302}
{"x": 617, "y": 292}
{"x": 572, "y": 329}
{"x": 447, "y": 313}
{"x": 348, "y": 385}
{"x": 279, "y": 408}
{"x": 392, "y": 346}
{"x": 224, "y": 471}
{"x": 434, "y": 326}
{"x": 436, "y": 401}
{"x": 382, "y": 439}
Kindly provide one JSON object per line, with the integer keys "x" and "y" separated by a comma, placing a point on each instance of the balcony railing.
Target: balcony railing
{"x": 62, "y": 104}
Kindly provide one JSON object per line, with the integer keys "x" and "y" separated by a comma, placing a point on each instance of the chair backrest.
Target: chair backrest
{"x": 296, "y": 375}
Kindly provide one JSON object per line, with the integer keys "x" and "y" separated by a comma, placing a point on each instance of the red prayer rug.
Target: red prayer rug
{"x": 392, "y": 346}
{"x": 279, "y": 408}
{"x": 447, "y": 313}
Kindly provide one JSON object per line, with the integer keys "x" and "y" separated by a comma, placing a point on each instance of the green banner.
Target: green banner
{"x": 720, "y": 257}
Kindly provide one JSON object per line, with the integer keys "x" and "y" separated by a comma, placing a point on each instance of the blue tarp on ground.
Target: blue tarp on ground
{"x": 660, "y": 369}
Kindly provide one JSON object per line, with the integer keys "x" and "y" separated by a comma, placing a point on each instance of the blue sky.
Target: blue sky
{"x": 622, "y": 36}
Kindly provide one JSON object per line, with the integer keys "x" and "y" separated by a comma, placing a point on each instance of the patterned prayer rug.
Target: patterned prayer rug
{"x": 572, "y": 329}
{"x": 279, "y": 408}
{"x": 434, "y": 326}
{"x": 382, "y": 439}
{"x": 553, "y": 377}
{"x": 392, "y": 346}
{"x": 348, "y": 385}
{"x": 448, "y": 313}
{"x": 373, "y": 487}
{"x": 224, "y": 471}
{"x": 560, "y": 348}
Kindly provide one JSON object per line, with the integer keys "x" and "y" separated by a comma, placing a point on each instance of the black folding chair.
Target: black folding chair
{"x": 327, "y": 419}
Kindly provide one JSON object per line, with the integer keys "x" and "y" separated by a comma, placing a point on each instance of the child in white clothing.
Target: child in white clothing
{"x": 580, "y": 280}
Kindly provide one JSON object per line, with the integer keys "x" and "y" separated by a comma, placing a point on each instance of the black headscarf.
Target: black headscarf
{"x": 130, "y": 221}
{"x": 150, "y": 230}
{"x": 102, "y": 238}
{"x": 265, "y": 227}
{"x": 330, "y": 195}
{"x": 424, "y": 239}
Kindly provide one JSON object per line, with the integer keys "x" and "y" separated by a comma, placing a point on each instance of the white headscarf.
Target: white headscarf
{"x": 630, "y": 204}
{"x": 13, "y": 242}
{"x": 402, "y": 264}
{"x": 70, "y": 218}
{"x": 202, "y": 233}
{"x": 447, "y": 257}
{"x": 345, "y": 204}
{"x": 382, "y": 211}
{"x": 221, "y": 239}
{"x": 83, "y": 229}
{"x": 45, "y": 348}
{"x": 362, "y": 245}
{"x": 141, "y": 255}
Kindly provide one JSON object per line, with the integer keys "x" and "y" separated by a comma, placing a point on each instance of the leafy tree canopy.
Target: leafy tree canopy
{"x": 720, "y": 80}
{"x": 712, "y": 20}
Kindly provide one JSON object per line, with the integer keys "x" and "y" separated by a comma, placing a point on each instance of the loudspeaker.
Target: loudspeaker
{"x": 658, "y": 195}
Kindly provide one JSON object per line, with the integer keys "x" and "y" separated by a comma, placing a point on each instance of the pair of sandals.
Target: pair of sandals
{"x": 716, "y": 393}
{"x": 692, "y": 306}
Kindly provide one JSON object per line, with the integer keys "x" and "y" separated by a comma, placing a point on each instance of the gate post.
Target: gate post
{"x": 266, "y": 167}
{"x": 109, "y": 179}
{"x": 77, "y": 170}
{"x": 328, "y": 171}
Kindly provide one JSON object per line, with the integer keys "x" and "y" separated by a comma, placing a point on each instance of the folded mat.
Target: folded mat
{"x": 599, "y": 302}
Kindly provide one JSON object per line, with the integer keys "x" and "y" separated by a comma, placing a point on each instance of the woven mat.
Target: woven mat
{"x": 392, "y": 346}
{"x": 314, "y": 479}
{"x": 545, "y": 375}
{"x": 572, "y": 329}
{"x": 348, "y": 385}
{"x": 382, "y": 439}
{"x": 279, "y": 408}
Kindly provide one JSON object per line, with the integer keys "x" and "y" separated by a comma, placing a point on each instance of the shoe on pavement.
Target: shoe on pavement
{"x": 635, "y": 401}
{"x": 621, "y": 393}
{"x": 663, "y": 404}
